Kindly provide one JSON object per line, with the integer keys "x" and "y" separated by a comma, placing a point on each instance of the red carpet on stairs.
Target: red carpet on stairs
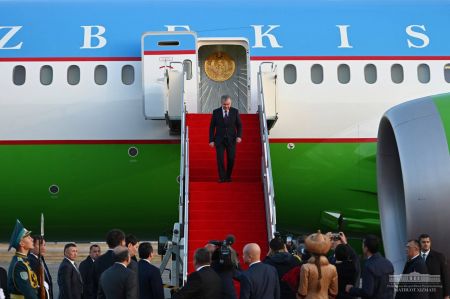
{"x": 218, "y": 209}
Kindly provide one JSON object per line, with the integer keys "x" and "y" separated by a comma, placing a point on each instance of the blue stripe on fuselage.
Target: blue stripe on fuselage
{"x": 53, "y": 28}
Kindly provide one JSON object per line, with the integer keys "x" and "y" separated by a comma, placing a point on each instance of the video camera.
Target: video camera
{"x": 223, "y": 250}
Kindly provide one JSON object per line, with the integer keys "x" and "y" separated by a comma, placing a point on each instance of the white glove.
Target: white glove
{"x": 2, "y": 295}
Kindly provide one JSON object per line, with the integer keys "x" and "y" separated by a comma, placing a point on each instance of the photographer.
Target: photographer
{"x": 338, "y": 239}
{"x": 283, "y": 262}
{"x": 226, "y": 263}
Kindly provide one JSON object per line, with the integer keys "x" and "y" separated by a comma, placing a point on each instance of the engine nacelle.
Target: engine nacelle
{"x": 413, "y": 173}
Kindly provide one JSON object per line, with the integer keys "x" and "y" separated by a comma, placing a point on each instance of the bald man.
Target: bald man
{"x": 260, "y": 281}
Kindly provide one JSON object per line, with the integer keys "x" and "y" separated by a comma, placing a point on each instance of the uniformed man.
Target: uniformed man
{"x": 22, "y": 281}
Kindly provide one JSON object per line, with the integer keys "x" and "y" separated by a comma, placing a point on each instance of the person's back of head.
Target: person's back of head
{"x": 115, "y": 237}
{"x": 202, "y": 257}
{"x": 372, "y": 244}
{"x": 277, "y": 244}
{"x": 121, "y": 254}
{"x": 145, "y": 250}
{"x": 342, "y": 253}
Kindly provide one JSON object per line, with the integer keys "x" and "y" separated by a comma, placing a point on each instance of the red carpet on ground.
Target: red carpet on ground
{"x": 218, "y": 209}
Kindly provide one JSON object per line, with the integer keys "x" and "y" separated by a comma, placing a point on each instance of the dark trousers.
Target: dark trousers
{"x": 230, "y": 148}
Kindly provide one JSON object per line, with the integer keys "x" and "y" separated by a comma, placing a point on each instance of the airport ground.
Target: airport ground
{"x": 55, "y": 255}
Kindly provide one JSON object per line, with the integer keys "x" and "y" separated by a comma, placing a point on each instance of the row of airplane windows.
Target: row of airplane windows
{"x": 290, "y": 74}
{"x": 370, "y": 73}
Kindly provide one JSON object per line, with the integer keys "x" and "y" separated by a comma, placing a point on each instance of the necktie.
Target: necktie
{"x": 424, "y": 256}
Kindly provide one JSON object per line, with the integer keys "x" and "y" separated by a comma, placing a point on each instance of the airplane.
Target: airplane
{"x": 84, "y": 137}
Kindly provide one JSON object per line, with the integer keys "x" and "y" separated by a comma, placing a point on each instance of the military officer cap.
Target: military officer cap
{"x": 18, "y": 234}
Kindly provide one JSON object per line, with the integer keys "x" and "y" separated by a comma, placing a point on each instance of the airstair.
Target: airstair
{"x": 209, "y": 210}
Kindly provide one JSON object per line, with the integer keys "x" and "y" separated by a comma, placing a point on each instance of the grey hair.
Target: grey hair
{"x": 224, "y": 98}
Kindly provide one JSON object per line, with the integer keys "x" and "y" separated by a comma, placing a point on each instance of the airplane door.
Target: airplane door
{"x": 169, "y": 73}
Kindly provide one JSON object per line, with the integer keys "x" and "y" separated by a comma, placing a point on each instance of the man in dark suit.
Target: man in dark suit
{"x": 225, "y": 131}
{"x": 132, "y": 243}
{"x": 375, "y": 274}
{"x": 204, "y": 283}
{"x": 114, "y": 238}
{"x": 150, "y": 282}
{"x": 118, "y": 282}
{"x": 33, "y": 259}
{"x": 87, "y": 272}
{"x": 3, "y": 284}
{"x": 415, "y": 264}
{"x": 283, "y": 262}
{"x": 436, "y": 265}
{"x": 260, "y": 281}
{"x": 69, "y": 277}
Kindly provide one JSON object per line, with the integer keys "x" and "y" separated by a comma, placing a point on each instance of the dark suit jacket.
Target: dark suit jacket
{"x": 437, "y": 265}
{"x": 218, "y": 129}
{"x": 103, "y": 262}
{"x": 202, "y": 284}
{"x": 133, "y": 266}
{"x": 260, "y": 281}
{"x": 375, "y": 279}
{"x": 118, "y": 282}
{"x": 87, "y": 274}
{"x": 346, "y": 275}
{"x": 69, "y": 281}
{"x": 4, "y": 282}
{"x": 34, "y": 265}
{"x": 150, "y": 282}
{"x": 415, "y": 265}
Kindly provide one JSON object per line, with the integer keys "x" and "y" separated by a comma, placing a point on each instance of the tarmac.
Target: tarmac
{"x": 55, "y": 255}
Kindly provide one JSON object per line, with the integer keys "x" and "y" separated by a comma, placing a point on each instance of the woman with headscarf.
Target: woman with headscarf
{"x": 318, "y": 278}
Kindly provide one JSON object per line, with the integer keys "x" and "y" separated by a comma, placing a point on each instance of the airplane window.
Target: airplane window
{"x": 423, "y": 73}
{"x": 19, "y": 74}
{"x": 46, "y": 75}
{"x": 447, "y": 72}
{"x": 127, "y": 74}
{"x": 370, "y": 73}
{"x": 100, "y": 74}
{"x": 343, "y": 73}
{"x": 290, "y": 74}
{"x": 397, "y": 73}
{"x": 317, "y": 74}
{"x": 187, "y": 68}
{"x": 73, "y": 75}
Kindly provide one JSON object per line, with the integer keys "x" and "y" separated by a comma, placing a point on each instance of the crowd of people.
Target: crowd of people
{"x": 327, "y": 267}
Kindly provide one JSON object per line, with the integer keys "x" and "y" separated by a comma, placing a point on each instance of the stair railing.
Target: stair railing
{"x": 266, "y": 165}
{"x": 183, "y": 205}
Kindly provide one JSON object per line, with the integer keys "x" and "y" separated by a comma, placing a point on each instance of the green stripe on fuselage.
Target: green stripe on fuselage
{"x": 101, "y": 187}
{"x": 443, "y": 105}
{"x": 317, "y": 177}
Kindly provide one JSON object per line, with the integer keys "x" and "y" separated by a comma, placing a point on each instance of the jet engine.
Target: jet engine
{"x": 413, "y": 175}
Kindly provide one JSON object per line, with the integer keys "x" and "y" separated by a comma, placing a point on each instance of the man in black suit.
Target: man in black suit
{"x": 132, "y": 243}
{"x": 375, "y": 275}
{"x": 33, "y": 260}
{"x": 415, "y": 264}
{"x": 225, "y": 131}
{"x": 118, "y": 282}
{"x": 3, "y": 284}
{"x": 87, "y": 272}
{"x": 260, "y": 281}
{"x": 204, "y": 283}
{"x": 114, "y": 238}
{"x": 150, "y": 282}
{"x": 436, "y": 265}
{"x": 69, "y": 277}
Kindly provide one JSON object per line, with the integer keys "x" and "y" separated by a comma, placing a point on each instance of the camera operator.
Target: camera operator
{"x": 340, "y": 238}
{"x": 283, "y": 262}
{"x": 226, "y": 263}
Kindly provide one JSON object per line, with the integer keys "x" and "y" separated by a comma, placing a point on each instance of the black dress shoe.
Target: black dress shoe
{"x": 229, "y": 180}
{"x": 221, "y": 180}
